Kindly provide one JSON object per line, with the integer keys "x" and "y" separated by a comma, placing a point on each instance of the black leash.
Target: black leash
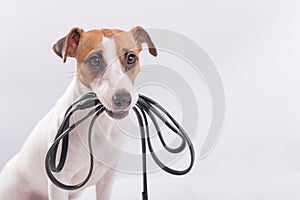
{"x": 144, "y": 106}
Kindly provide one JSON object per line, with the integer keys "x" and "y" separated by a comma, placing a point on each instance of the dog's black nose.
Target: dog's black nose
{"x": 121, "y": 99}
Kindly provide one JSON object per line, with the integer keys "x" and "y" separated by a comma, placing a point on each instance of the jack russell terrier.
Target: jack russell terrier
{"x": 107, "y": 64}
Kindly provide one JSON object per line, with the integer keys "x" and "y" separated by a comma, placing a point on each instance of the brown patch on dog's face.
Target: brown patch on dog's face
{"x": 89, "y": 51}
{"x": 89, "y": 45}
{"x": 128, "y": 50}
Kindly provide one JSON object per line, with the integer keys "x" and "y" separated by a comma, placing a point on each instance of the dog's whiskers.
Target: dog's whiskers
{"x": 72, "y": 72}
{"x": 69, "y": 77}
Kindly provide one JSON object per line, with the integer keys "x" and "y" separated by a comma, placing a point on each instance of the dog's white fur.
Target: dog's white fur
{"x": 24, "y": 176}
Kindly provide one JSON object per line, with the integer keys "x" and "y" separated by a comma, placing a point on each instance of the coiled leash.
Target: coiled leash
{"x": 144, "y": 106}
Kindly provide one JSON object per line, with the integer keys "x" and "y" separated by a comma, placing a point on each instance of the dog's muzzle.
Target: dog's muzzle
{"x": 121, "y": 100}
{"x": 117, "y": 114}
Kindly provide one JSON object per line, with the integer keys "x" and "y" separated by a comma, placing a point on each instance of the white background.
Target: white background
{"x": 255, "y": 46}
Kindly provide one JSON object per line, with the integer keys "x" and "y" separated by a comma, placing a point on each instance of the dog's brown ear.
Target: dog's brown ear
{"x": 67, "y": 46}
{"x": 141, "y": 36}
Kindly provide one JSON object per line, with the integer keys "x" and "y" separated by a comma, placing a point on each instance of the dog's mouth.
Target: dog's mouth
{"x": 117, "y": 114}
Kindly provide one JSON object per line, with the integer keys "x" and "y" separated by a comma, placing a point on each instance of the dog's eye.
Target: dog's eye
{"x": 95, "y": 60}
{"x": 130, "y": 59}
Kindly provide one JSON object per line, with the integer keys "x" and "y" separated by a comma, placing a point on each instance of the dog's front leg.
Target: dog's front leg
{"x": 104, "y": 185}
{"x": 55, "y": 193}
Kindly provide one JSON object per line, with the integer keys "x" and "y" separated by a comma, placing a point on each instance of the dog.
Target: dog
{"x": 107, "y": 63}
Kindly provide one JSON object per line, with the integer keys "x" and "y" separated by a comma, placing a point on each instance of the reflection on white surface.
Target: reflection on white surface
{"x": 276, "y": 187}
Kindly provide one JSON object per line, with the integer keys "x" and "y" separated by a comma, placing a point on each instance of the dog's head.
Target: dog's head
{"x": 107, "y": 63}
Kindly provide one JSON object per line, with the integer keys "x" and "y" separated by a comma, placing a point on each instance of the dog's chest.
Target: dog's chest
{"x": 104, "y": 137}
